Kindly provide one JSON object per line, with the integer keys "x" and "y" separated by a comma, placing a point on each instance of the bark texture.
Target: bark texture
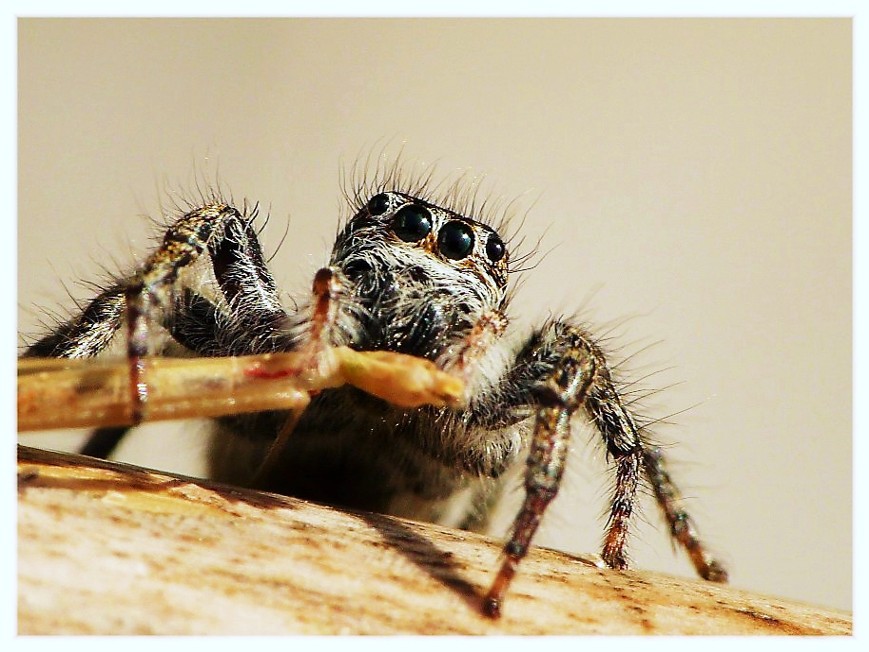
{"x": 105, "y": 548}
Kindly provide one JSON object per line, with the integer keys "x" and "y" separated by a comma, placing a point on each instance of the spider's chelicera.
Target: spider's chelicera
{"x": 407, "y": 276}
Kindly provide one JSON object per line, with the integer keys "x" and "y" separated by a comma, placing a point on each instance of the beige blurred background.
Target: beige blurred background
{"x": 694, "y": 175}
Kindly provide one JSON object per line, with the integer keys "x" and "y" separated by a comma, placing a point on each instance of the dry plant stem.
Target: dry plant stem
{"x": 105, "y": 548}
{"x": 55, "y": 393}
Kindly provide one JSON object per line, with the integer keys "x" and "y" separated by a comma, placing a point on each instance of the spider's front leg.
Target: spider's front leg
{"x": 554, "y": 374}
{"x": 561, "y": 370}
{"x": 153, "y": 299}
{"x": 150, "y": 295}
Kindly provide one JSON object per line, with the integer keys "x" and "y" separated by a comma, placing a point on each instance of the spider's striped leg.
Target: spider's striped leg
{"x": 634, "y": 455}
{"x": 145, "y": 298}
{"x": 250, "y": 318}
{"x": 86, "y": 334}
{"x": 570, "y": 370}
{"x": 682, "y": 527}
{"x": 251, "y": 294}
{"x": 150, "y": 296}
{"x": 239, "y": 269}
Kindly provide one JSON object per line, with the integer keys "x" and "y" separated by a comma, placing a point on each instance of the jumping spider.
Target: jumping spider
{"x": 410, "y": 276}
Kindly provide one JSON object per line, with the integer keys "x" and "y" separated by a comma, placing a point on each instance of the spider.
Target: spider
{"x": 409, "y": 274}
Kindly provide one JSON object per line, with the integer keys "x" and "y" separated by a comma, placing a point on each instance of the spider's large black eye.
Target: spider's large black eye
{"x": 495, "y": 248}
{"x": 456, "y": 240}
{"x": 412, "y": 223}
{"x": 378, "y": 204}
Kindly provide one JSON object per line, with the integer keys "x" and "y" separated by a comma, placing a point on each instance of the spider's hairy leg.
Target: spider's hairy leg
{"x": 151, "y": 297}
{"x": 227, "y": 235}
{"x": 560, "y": 370}
{"x": 256, "y": 319}
{"x": 627, "y": 443}
{"x": 682, "y": 527}
{"x": 620, "y": 434}
{"x": 250, "y": 318}
{"x": 86, "y": 334}
{"x": 558, "y": 395}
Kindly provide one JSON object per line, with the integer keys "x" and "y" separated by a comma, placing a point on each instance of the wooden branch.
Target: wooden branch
{"x": 84, "y": 393}
{"x": 105, "y": 548}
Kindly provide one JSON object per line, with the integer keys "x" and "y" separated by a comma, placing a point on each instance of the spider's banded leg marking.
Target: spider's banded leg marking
{"x": 245, "y": 280}
{"x": 559, "y": 396}
{"x": 622, "y": 439}
{"x": 87, "y": 334}
{"x": 150, "y": 295}
{"x": 682, "y": 527}
{"x": 634, "y": 456}
{"x": 251, "y": 319}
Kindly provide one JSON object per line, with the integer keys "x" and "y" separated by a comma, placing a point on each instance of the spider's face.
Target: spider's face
{"x": 423, "y": 274}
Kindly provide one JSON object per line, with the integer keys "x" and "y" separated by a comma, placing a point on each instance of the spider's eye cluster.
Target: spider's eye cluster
{"x": 455, "y": 239}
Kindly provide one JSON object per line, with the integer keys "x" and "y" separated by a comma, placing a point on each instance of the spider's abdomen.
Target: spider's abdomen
{"x": 353, "y": 450}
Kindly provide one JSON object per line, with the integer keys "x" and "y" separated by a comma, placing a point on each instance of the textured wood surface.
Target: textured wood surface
{"x": 105, "y": 548}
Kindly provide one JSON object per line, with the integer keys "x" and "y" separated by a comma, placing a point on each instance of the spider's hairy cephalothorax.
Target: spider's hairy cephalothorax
{"x": 424, "y": 275}
{"x": 406, "y": 275}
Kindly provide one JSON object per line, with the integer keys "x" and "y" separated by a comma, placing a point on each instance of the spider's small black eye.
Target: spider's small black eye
{"x": 378, "y": 204}
{"x": 495, "y": 248}
{"x": 456, "y": 240}
{"x": 356, "y": 269}
{"x": 412, "y": 223}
